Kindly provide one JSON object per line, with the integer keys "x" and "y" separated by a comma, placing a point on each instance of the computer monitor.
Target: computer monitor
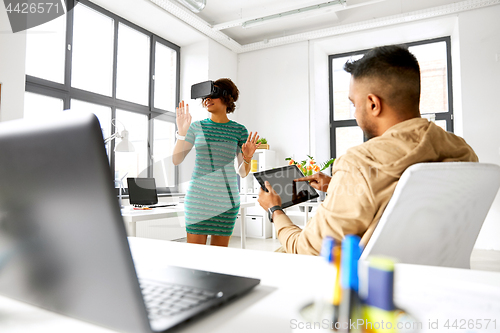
{"x": 142, "y": 191}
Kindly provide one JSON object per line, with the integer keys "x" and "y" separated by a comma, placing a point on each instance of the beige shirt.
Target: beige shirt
{"x": 364, "y": 179}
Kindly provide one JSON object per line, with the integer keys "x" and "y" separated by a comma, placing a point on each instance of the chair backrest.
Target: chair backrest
{"x": 436, "y": 213}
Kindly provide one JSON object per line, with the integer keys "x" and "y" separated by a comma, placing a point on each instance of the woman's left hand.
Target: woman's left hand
{"x": 249, "y": 147}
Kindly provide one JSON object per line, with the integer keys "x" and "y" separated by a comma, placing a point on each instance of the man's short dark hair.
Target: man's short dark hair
{"x": 395, "y": 66}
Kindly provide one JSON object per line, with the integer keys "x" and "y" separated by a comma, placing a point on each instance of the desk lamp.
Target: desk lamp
{"x": 123, "y": 146}
{"x": 121, "y": 188}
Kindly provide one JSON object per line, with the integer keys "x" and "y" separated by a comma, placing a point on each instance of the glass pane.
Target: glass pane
{"x": 39, "y": 106}
{"x": 441, "y": 123}
{"x": 103, "y": 113}
{"x": 347, "y": 137}
{"x": 342, "y": 108}
{"x": 165, "y": 77}
{"x": 433, "y": 72}
{"x": 45, "y": 50}
{"x": 133, "y": 65}
{"x": 132, "y": 164}
{"x": 92, "y": 67}
{"x": 164, "y": 140}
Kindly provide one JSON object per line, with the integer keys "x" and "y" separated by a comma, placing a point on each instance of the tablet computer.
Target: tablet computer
{"x": 281, "y": 179}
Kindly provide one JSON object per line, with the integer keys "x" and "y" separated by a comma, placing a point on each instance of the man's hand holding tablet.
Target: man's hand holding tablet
{"x": 270, "y": 201}
{"x": 270, "y": 198}
{"x": 318, "y": 181}
{"x": 279, "y": 189}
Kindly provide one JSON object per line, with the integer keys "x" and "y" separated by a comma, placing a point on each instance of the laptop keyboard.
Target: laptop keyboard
{"x": 164, "y": 300}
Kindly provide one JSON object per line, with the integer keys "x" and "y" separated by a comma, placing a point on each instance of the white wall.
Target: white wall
{"x": 275, "y": 97}
{"x": 202, "y": 61}
{"x": 194, "y": 69}
{"x": 319, "y": 102}
{"x": 12, "y": 69}
{"x": 287, "y": 86}
{"x": 480, "y": 73}
{"x": 222, "y": 62}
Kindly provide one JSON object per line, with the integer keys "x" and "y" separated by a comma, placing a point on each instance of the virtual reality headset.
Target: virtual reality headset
{"x": 206, "y": 89}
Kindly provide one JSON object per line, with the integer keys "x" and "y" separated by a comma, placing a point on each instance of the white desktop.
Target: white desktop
{"x": 431, "y": 294}
{"x": 131, "y": 216}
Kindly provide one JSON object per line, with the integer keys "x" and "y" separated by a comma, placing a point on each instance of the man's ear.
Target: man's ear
{"x": 374, "y": 105}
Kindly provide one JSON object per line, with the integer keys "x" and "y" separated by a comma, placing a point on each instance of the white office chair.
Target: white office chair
{"x": 436, "y": 213}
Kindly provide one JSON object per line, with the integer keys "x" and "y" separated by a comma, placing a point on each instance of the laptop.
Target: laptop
{"x": 142, "y": 193}
{"x": 63, "y": 243}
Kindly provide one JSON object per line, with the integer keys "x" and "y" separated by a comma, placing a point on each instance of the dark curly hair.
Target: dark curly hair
{"x": 232, "y": 93}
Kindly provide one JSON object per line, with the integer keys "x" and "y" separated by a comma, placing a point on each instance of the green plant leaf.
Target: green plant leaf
{"x": 326, "y": 164}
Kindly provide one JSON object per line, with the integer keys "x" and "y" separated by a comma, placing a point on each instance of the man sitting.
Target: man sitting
{"x": 385, "y": 90}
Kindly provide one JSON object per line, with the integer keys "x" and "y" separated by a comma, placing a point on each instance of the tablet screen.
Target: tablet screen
{"x": 281, "y": 179}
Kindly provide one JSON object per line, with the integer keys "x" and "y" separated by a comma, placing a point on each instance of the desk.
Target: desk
{"x": 131, "y": 217}
{"x": 428, "y": 292}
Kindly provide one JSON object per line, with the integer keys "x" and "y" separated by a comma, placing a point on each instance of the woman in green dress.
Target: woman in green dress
{"x": 212, "y": 200}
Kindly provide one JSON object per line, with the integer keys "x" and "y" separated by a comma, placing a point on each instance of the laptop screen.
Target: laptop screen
{"x": 142, "y": 191}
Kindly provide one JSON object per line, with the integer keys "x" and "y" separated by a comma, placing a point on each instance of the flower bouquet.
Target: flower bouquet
{"x": 309, "y": 166}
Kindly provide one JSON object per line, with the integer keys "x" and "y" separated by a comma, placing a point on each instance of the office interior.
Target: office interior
{"x": 284, "y": 81}
{"x": 283, "y": 77}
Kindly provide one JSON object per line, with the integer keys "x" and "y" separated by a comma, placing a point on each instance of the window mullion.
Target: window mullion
{"x": 152, "y": 59}
{"x": 115, "y": 59}
{"x": 112, "y": 158}
{"x": 150, "y": 145}
{"x": 69, "y": 45}
{"x": 178, "y": 81}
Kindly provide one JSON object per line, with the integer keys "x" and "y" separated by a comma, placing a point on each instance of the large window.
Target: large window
{"x": 435, "y": 100}
{"x": 91, "y": 60}
{"x": 92, "y": 45}
{"x": 45, "y": 50}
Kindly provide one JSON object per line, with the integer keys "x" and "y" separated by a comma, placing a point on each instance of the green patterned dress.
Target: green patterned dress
{"x": 213, "y": 200}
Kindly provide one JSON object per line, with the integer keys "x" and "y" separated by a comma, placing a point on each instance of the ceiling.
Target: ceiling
{"x": 222, "y": 20}
{"x": 220, "y": 12}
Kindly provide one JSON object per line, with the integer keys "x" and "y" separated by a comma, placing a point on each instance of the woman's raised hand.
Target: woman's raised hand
{"x": 183, "y": 118}
{"x": 249, "y": 147}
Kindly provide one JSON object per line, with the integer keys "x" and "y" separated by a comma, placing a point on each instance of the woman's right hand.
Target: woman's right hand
{"x": 183, "y": 118}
